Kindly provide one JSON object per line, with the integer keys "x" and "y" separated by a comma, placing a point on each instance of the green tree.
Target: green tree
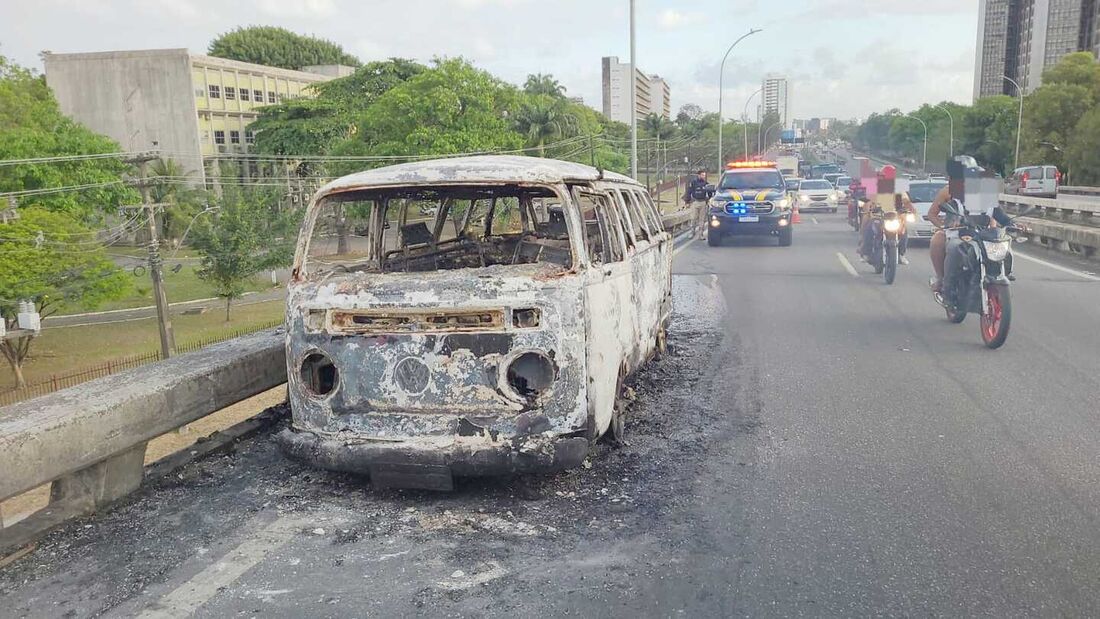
{"x": 247, "y": 234}
{"x": 312, "y": 126}
{"x": 52, "y": 259}
{"x": 544, "y": 84}
{"x": 1080, "y": 69}
{"x": 541, "y": 118}
{"x": 1051, "y": 115}
{"x": 32, "y": 126}
{"x": 659, "y": 127}
{"x": 451, "y": 108}
{"x": 988, "y": 132}
{"x": 278, "y": 47}
{"x": 1083, "y": 157}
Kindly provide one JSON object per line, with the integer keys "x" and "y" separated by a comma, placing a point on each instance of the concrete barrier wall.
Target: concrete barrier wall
{"x": 1066, "y": 224}
{"x": 90, "y": 439}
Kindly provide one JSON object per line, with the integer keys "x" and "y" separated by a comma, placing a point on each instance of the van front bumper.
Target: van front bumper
{"x": 431, "y": 462}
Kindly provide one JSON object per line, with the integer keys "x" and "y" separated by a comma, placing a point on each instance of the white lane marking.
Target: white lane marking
{"x": 814, "y": 219}
{"x": 847, "y": 265}
{"x": 191, "y": 595}
{"x": 1057, "y": 267}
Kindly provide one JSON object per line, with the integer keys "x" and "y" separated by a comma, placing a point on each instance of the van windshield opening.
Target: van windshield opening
{"x": 437, "y": 228}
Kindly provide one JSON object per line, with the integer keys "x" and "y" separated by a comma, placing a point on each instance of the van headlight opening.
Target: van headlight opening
{"x": 530, "y": 374}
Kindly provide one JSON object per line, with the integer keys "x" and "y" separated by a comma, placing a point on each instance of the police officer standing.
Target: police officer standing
{"x": 696, "y": 196}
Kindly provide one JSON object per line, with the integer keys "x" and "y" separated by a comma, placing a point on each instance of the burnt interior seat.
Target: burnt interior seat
{"x": 416, "y": 234}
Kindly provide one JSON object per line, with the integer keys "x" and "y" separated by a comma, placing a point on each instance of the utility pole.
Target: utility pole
{"x": 164, "y": 323}
{"x": 633, "y": 97}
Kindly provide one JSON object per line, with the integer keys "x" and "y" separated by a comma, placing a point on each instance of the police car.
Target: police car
{"x": 750, "y": 200}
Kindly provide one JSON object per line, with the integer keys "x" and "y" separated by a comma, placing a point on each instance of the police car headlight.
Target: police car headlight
{"x": 783, "y": 202}
{"x": 892, "y": 225}
{"x": 718, "y": 202}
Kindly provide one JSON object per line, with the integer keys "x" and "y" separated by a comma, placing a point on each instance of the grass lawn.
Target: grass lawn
{"x": 61, "y": 350}
{"x": 182, "y": 286}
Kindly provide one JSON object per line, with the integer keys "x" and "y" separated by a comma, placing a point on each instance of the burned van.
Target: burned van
{"x": 470, "y": 316}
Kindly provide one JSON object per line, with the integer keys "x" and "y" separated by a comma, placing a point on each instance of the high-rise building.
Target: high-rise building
{"x": 653, "y": 92}
{"x": 191, "y": 106}
{"x": 776, "y": 97}
{"x": 1022, "y": 38}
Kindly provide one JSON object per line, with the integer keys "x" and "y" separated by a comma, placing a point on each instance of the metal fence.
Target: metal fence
{"x": 57, "y": 382}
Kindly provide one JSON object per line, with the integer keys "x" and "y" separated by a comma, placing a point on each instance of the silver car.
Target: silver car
{"x": 921, "y": 194}
{"x": 818, "y": 195}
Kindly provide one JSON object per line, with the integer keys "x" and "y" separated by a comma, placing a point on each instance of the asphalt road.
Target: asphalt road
{"x": 817, "y": 443}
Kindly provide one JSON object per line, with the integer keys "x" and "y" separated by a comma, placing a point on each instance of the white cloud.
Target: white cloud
{"x": 296, "y": 8}
{"x": 671, "y": 19}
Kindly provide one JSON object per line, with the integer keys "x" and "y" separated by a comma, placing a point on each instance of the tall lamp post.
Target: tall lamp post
{"x": 924, "y": 157}
{"x": 952, "y": 119}
{"x": 1019, "y": 118}
{"x": 721, "y": 81}
{"x": 634, "y": 98}
{"x": 744, "y": 116}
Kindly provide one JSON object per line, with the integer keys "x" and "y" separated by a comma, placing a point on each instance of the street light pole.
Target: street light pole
{"x": 721, "y": 80}
{"x": 744, "y": 116}
{"x": 924, "y": 156}
{"x": 952, "y": 119}
{"x": 1019, "y": 118}
{"x": 634, "y": 98}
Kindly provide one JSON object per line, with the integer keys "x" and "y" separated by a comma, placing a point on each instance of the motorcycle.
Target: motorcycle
{"x": 886, "y": 236}
{"x": 854, "y": 207}
{"x": 981, "y": 285}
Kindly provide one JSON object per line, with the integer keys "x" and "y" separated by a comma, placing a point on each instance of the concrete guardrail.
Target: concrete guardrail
{"x": 89, "y": 441}
{"x": 1065, "y": 224}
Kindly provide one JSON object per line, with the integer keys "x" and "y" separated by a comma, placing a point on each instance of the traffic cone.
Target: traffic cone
{"x": 795, "y": 217}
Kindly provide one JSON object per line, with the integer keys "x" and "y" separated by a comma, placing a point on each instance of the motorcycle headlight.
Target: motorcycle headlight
{"x": 997, "y": 251}
{"x": 891, "y": 225}
{"x": 910, "y": 217}
{"x": 834, "y": 196}
{"x": 803, "y": 198}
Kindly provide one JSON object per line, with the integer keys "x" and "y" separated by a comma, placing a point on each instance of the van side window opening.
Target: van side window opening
{"x": 650, "y": 210}
{"x": 604, "y": 236}
{"x": 637, "y": 221}
{"x": 437, "y": 228}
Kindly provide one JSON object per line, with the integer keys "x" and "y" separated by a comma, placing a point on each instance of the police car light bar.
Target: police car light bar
{"x": 751, "y": 164}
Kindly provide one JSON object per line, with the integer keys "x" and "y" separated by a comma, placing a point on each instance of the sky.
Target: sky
{"x": 844, "y": 58}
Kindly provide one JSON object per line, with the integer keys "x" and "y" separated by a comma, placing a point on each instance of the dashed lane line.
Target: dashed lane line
{"x": 191, "y": 595}
{"x": 847, "y": 265}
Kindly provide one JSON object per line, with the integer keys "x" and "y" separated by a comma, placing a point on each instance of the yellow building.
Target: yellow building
{"x": 188, "y": 106}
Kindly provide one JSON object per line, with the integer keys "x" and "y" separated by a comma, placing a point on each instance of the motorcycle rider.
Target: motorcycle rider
{"x": 866, "y": 233}
{"x": 945, "y": 239}
{"x": 696, "y": 193}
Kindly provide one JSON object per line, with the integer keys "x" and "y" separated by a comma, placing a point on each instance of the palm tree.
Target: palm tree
{"x": 541, "y": 119}
{"x": 543, "y": 84}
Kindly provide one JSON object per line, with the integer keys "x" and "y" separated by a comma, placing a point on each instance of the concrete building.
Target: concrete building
{"x": 653, "y": 96}
{"x": 776, "y": 97}
{"x": 1022, "y": 38}
{"x": 191, "y": 106}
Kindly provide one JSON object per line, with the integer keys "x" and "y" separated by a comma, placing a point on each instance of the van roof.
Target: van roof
{"x": 475, "y": 169}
